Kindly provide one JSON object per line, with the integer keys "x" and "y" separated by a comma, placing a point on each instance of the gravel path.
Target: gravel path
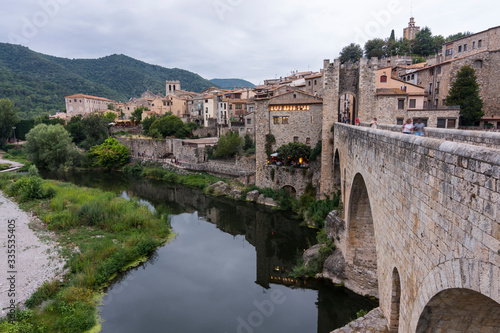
{"x": 36, "y": 258}
{"x": 13, "y": 165}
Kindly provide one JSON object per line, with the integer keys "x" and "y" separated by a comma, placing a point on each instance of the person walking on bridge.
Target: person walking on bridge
{"x": 407, "y": 127}
{"x": 419, "y": 127}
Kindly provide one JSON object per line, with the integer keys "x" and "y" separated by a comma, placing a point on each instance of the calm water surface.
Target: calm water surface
{"x": 226, "y": 270}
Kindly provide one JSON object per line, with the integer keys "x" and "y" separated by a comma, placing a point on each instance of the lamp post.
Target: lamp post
{"x": 14, "y": 130}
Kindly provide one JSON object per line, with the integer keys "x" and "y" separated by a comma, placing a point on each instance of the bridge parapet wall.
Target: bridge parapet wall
{"x": 434, "y": 202}
{"x": 477, "y": 138}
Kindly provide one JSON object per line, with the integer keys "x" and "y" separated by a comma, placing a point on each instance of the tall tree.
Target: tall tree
{"x": 438, "y": 43}
{"x": 352, "y": 52}
{"x": 8, "y": 118}
{"x": 424, "y": 42}
{"x": 48, "y": 146}
{"x": 375, "y": 48}
{"x": 228, "y": 145}
{"x": 137, "y": 114}
{"x": 392, "y": 38}
{"x": 465, "y": 92}
{"x": 95, "y": 129}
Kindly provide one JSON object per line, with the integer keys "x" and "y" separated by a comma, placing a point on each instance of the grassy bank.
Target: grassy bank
{"x": 99, "y": 233}
{"x": 199, "y": 180}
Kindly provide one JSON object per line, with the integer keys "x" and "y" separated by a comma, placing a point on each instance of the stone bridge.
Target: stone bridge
{"x": 422, "y": 225}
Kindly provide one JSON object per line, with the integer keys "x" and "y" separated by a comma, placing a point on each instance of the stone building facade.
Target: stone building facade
{"x": 481, "y": 51}
{"x": 81, "y": 104}
{"x": 293, "y": 116}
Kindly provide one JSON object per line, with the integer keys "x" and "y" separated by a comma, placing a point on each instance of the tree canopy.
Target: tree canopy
{"x": 137, "y": 114}
{"x": 111, "y": 154}
{"x": 229, "y": 145}
{"x": 8, "y": 118}
{"x": 464, "y": 91}
{"x": 48, "y": 146}
{"x": 352, "y": 52}
{"x": 293, "y": 152}
{"x": 375, "y": 48}
{"x": 89, "y": 131}
{"x": 423, "y": 44}
{"x": 166, "y": 126}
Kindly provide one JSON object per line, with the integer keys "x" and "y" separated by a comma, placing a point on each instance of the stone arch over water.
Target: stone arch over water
{"x": 361, "y": 256}
{"x": 455, "y": 290}
{"x": 460, "y": 310}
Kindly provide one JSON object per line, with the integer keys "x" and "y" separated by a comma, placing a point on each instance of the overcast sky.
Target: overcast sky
{"x": 249, "y": 39}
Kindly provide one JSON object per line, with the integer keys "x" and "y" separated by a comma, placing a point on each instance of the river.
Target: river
{"x": 226, "y": 271}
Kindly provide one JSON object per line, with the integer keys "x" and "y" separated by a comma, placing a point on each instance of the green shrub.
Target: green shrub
{"x": 91, "y": 213}
{"x": 33, "y": 171}
{"x": 46, "y": 291}
{"x": 133, "y": 170}
{"x": 27, "y": 188}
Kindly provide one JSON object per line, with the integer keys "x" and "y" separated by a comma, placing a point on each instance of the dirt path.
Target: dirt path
{"x": 36, "y": 259}
{"x": 14, "y": 165}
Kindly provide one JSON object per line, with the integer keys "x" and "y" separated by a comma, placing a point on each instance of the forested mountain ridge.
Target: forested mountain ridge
{"x": 232, "y": 83}
{"x": 38, "y": 83}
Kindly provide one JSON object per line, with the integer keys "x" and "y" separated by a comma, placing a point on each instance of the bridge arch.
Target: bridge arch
{"x": 454, "y": 291}
{"x": 361, "y": 252}
{"x": 460, "y": 310}
{"x": 290, "y": 190}
{"x": 395, "y": 302}
{"x": 337, "y": 174}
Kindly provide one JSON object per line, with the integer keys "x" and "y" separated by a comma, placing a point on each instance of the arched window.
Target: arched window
{"x": 383, "y": 79}
{"x": 478, "y": 64}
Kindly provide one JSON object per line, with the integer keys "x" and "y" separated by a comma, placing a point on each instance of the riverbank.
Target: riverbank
{"x": 35, "y": 255}
{"x": 98, "y": 234}
{"x": 10, "y": 165}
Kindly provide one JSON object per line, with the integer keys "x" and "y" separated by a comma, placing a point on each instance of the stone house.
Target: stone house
{"x": 481, "y": 51}
{"x": 398, "y": 100}
{"x": 81, "y": 104}
{"x": 314, "y": 84}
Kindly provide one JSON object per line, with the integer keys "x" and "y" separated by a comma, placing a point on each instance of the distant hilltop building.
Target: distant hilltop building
{"x": 410, "y": 32}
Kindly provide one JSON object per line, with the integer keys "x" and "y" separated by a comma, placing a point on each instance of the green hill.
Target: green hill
{"x": 232, "y": 83}
{"x": 38, "y": 83}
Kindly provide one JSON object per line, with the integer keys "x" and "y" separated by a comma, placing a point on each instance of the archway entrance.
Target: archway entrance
{"x": 290, "y": 190}
{"x": 460, "y": 311}
{"x": 347, "y": 108}
{"x": 395, "y": 302}
{"x": 361, "y": 259}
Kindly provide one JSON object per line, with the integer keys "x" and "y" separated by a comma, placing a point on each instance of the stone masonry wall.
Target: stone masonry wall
{"x": 277, "y": 177}
{"x": 435, "y": 212}
{"x": 479, "y": 138}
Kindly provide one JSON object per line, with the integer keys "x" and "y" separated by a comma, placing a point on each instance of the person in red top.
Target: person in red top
{"x": 356, "y": 121}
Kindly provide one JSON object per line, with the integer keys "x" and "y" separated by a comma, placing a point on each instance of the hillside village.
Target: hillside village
{"x": 431, "y": 200}
{"x": 403, "y": 90}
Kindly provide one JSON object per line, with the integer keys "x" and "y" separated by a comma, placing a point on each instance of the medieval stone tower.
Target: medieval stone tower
{"x": 172, "y": 87}
{"x": 410, "y": 32}
{"x": 357, "y": 80}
